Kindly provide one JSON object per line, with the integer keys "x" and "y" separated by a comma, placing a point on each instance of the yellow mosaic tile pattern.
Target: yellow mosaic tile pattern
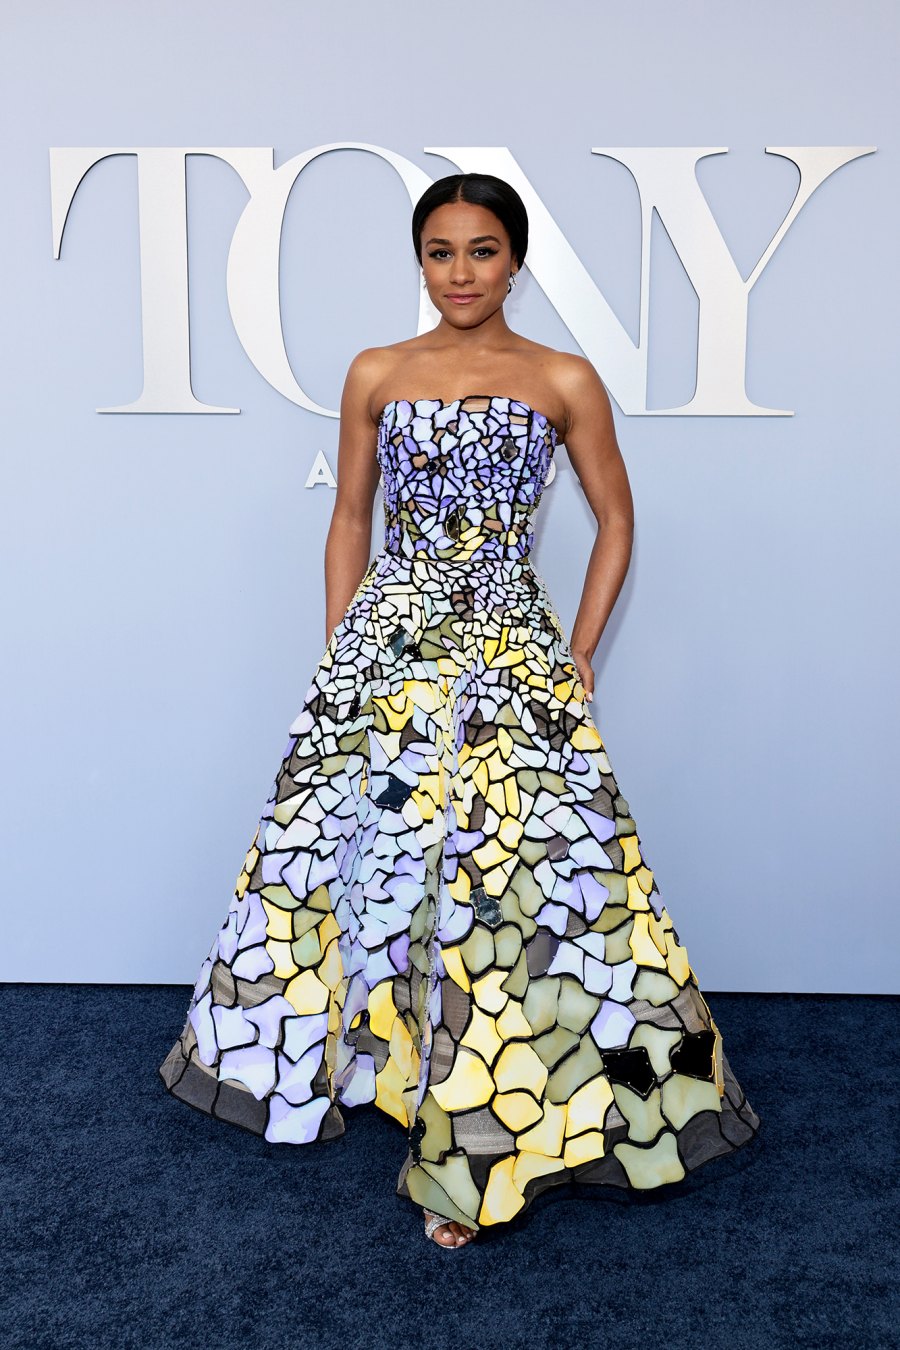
{"x": 445, "y": 908}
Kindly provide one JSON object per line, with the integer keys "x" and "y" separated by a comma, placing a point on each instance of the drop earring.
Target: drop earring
{"x": 512, "y": 282}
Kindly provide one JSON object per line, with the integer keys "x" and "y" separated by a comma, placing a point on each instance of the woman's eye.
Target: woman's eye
{"x": 489, "y": 251}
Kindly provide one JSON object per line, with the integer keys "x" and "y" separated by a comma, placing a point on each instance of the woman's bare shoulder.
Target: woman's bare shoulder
{"x": 368, "y": 374}
{"x": 387, "y": 355}
{"x": 575, "y": 376}
{"x": 579, "y": 388}
{"x": 376, "y": 370}
{"x": 373, "y": 360}
{"x": 566, "y": 382}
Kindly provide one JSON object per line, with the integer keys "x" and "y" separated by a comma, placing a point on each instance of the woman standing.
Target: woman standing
{"x": 445, "y": 908}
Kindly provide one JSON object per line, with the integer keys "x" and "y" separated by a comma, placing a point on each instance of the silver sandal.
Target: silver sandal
{"x": 438, "y": 1221}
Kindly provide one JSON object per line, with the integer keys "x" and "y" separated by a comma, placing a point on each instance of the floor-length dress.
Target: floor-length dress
{"x": 445, "y": 908}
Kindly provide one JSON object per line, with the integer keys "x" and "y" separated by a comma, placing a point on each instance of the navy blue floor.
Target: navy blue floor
{"x": 130, "y": 1220}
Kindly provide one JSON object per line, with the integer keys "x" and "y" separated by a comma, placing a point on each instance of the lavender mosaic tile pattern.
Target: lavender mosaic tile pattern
{"x": 445, "y": 908}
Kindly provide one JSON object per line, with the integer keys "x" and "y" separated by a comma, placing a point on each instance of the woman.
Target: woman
{"x": 445, "y": 908}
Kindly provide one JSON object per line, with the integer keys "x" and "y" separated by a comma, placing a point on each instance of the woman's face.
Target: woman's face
{"x": 466, "y": 253}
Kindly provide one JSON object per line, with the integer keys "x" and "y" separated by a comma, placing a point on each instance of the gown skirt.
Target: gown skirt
{"x": 445, "y": 908}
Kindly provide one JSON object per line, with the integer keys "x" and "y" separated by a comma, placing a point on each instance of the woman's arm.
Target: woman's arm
{"x": 349, "y": 540}
{"x": 594, "y": 452}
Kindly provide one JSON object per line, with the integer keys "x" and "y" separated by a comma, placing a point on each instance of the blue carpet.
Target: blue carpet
{"x": 129, "y": 1220}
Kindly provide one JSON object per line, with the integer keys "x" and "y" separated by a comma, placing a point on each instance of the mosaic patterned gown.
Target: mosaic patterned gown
{"x": 445, "y": 908}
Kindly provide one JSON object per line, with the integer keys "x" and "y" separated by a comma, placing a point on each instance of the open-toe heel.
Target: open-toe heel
{"x": 435, "y": 1221}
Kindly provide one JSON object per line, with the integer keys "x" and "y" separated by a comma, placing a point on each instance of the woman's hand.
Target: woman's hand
{"x": 585, "y": 672}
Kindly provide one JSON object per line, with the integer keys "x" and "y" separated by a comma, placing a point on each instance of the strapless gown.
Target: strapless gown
{"x": 446, "y": 908}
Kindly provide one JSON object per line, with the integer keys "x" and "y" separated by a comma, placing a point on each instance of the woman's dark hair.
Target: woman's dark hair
{"x": 481, "y": 189}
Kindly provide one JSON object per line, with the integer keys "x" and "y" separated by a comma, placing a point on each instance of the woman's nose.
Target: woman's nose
{"x": 460, "y": 272}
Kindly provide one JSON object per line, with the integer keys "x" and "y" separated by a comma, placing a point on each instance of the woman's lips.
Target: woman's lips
{"x": 463, "y": 299}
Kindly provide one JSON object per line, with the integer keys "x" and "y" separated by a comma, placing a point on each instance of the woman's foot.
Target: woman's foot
{"x": 447, "y": 1232}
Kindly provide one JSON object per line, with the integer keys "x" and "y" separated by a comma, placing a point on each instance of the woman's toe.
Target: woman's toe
{"x": 451, "y": 1233}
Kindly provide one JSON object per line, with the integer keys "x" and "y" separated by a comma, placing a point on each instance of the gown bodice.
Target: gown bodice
{"x": 462, "y": 478}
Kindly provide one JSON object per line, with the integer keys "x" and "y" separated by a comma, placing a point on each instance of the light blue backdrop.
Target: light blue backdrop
{"x": 163, "y": 574}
